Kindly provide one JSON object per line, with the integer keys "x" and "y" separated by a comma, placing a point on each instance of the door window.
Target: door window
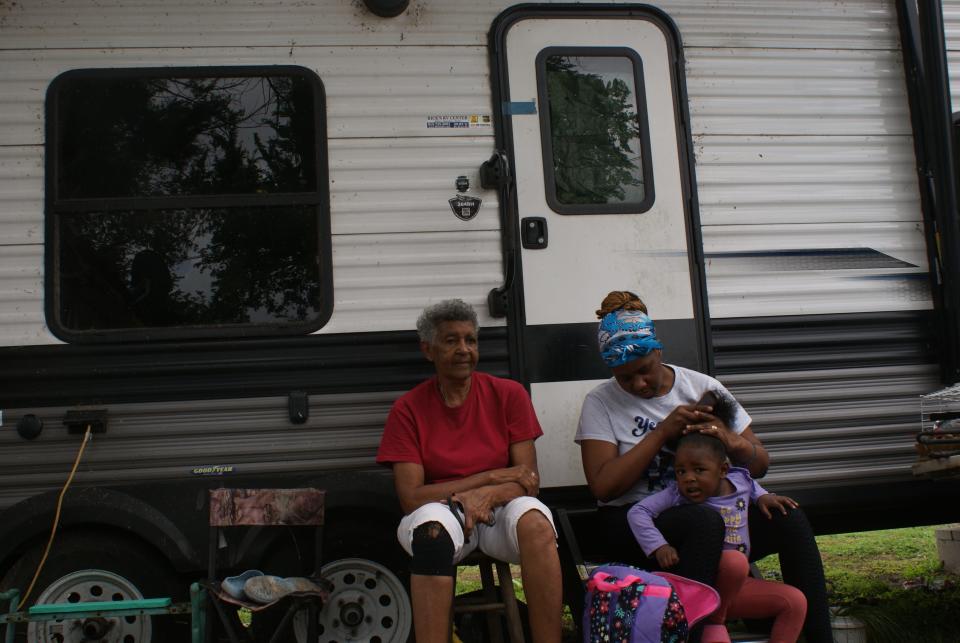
{"x": 596, "y": 147}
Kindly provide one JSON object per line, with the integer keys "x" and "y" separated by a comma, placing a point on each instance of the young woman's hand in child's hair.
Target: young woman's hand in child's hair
{"x": 666, "y": 556}
{"x": 681, "y": 417}
{"x": 773, "y": 501}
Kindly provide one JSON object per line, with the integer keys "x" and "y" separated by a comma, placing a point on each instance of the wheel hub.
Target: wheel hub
{"x": 368, "y": 603}
{"x": 95, "y": 628}
{"x": 85, "y": 586}
{"x": 351, "y": 614}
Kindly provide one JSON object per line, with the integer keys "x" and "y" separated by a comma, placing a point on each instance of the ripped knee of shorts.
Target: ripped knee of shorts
{"x": 432, "y": 551}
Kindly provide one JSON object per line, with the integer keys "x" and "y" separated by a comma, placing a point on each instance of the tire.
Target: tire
{"x": 368, "y": 603}
{"x": 91, "y": 565}
{"x": 369, "y": 569}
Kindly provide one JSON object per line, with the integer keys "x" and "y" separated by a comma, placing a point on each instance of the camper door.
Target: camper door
{"x": 593, "y": 113}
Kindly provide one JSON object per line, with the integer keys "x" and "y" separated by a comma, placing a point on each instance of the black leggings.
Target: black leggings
{"x": 694, "y": 530}
{"x": 792, "y": 537}
{"x": 697, "y": 533}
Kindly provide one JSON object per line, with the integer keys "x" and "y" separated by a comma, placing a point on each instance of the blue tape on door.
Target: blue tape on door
{"x": 513, "y": 108}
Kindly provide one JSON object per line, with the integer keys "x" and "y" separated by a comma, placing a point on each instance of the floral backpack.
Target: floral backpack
{"x": 629, "y": 605}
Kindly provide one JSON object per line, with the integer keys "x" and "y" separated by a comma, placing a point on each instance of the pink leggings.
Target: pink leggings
{"x": 742, "y": 596}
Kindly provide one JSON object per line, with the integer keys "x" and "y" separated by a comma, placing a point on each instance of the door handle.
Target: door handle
{"x": 533, "y": 233}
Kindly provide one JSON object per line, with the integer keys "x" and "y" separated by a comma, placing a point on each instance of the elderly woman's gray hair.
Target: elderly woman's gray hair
{"x": 448, "y": 310}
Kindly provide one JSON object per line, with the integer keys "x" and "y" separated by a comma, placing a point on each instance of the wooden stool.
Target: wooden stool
{"x": 495, "y": 599}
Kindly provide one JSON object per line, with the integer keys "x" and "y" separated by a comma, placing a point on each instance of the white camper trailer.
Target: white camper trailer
{"x": 220, "y": 218}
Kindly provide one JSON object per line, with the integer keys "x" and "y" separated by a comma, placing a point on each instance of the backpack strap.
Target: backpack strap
{"x": 601, "y": 582}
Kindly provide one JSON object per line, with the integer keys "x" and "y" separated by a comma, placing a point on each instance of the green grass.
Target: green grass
{"x": 867, "y": 566}
{"x": 892, "y": 580}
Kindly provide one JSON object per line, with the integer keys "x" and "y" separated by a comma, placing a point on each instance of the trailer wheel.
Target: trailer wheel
{"x": 366, "y": 563}
{"x": 93, "y": 566}
{"x": 368, "y": 603}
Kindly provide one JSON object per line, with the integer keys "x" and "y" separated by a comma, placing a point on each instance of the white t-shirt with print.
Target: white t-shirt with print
{"x": 612, "y": 415}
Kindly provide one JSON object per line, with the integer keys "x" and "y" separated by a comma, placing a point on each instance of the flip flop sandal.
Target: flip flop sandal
{"x": 267, "y": 589}
{"x": 233, "y": 585}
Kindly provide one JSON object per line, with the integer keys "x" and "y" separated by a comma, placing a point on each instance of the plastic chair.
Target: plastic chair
{"x": 231, "y": 508}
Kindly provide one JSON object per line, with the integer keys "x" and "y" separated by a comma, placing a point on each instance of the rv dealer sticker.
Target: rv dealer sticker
{"x": 458, "y": 121}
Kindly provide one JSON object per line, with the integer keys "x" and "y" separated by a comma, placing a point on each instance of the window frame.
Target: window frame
{"x": 55, "y": 207}
{"x": 546, "y": 139}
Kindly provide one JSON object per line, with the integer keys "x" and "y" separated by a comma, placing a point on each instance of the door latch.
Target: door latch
{"x": 533, "y": 233}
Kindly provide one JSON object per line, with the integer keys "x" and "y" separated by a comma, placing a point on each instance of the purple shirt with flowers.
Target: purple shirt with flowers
{"x": 732, "y": 507}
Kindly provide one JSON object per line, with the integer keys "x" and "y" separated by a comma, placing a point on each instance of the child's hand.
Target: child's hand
{"x": 772, "y": 500}
{"x": 666, "y": 556}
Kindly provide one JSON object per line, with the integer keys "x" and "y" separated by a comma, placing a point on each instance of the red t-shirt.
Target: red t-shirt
{"x": 456, "y": 443}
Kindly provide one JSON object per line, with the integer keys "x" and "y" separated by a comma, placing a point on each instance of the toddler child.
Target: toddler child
{"x": 703, "y": 475}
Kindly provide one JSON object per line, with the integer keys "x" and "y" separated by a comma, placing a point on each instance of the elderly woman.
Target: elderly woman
{"x": 626, "y": 426}
{"x": 465, "y": 470}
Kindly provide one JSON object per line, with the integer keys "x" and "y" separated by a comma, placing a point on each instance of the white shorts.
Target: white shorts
{"x": 498, "y": 541}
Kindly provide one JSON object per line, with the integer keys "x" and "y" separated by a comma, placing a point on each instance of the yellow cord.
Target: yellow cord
{"x": 56, "y": 517}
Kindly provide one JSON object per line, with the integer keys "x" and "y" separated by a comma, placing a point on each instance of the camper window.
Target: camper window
{"x": 186, "y": 202}
{"x": 596, "y": 148}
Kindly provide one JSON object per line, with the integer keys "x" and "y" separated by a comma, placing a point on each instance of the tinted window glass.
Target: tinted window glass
{"x": 595, "y": 130}
{"x": 188, "y": 268}
{"x": 173, "y": 136}
{"x": 186, "y": 203}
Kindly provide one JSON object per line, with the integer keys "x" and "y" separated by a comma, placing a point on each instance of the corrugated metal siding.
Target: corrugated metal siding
{"x": 808, "y": 343}
{"x": 382, "y": 281}
{"x": 746, "y": 180}
{"x": 951, "y": 28}
{"x": 378, "y": 185}
{"x": 392, "y": 274}
{"x": 857, "y": 24}
{"x": 164, "y": 441}
{"x": 837, "y": 427}
{"x": 813, "y": 88}
{"x": 798, "y": 69}
{"x": 810, "y": 207}
{"x": 371, "y": 91}
{"x": 836, "y": 399}
{"x": 81, "y": 375}
{"x": 403, "y": 184}
{"x": 763, "y": 199}
{"x": 796, "y": 92}
{"x": 777, "y": 163}
{"x": 21, "y": 294}
{"x": 376, "y": 191}
{"x": 21, "y": 183}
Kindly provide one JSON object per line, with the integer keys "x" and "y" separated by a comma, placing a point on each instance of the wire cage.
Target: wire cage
{"x": 938, "y": 443}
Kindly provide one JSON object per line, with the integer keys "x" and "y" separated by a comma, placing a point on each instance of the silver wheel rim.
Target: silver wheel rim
{"x": 368, "y": 603}
{"x": 85, "y": 586}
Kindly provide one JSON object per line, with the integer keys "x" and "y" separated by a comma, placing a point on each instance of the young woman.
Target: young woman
{"x": 625, "y": 427}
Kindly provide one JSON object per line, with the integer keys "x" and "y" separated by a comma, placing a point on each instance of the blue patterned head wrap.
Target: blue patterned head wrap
{"x": 625, "y": 335}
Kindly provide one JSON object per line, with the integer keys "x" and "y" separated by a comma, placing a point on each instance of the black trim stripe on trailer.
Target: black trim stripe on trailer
{"x": 568, "y": 352}
{"x": 69, "y": 374}
{"x": 36, "y": 376}
{"x": 816, "y": 259}
{"x": 814, "y": 342}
